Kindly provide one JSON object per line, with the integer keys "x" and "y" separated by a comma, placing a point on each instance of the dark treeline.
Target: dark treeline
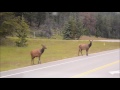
{"x": 71, "y": 25}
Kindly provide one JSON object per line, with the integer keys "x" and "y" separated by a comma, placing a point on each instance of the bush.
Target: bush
{"x": 21, "y": 42}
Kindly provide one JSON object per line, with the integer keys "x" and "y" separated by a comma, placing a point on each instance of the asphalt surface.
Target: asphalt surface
{"x": 98, "y": 65}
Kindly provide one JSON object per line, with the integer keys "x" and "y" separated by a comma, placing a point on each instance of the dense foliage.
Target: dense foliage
{"x": 11, "y": 25}
{"x": 70, "y": 25}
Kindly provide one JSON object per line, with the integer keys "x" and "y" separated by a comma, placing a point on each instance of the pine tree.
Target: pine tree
{"x": 22, "y": 31}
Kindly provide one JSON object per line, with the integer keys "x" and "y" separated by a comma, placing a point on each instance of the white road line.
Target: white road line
{"x": 114, "y": 72}
{"x": 56, "y": 65}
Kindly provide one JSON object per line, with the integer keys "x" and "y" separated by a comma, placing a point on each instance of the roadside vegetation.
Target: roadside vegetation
{"x": 12, "y": 57}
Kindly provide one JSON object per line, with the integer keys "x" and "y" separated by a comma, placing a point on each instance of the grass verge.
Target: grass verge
{"x": 12, "y": 57}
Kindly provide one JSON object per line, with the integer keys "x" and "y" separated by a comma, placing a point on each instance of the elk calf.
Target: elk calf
{"x": 84, "y": 47}
{"x": 37, "y": 53}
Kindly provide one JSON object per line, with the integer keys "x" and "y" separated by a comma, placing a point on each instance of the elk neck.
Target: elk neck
{"x": 42, "y": 50}
{"x": 90, "y": 44}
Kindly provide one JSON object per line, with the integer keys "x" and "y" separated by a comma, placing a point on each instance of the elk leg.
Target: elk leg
{"x": 87, "y": 52}
{"x": 32, "y": 60}
{"x": 78, "y": 52}
{"x": 39, "y": 60}
{"x": 81, "y": 52}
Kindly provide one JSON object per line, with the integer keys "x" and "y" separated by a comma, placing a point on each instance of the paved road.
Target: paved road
{"x": 108, "y": 40}
{"x": 98, "y": 65}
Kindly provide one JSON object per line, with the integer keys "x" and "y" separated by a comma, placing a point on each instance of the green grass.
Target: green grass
{"x": 12, "y": 57}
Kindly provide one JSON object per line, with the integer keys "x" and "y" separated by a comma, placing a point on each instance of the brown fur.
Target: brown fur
{"x": 84, "y": 47}
{"x": 37, "y": 53}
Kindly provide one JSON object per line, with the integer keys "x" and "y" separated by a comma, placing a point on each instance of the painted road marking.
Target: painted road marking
{"x": 114, "y": 72}
{"x": 54, "y": 65}
{"x": 96, "y": 69}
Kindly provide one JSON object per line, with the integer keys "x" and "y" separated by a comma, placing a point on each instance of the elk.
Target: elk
{"x": 37, "y": 53}
{"x": 84, "y": 47}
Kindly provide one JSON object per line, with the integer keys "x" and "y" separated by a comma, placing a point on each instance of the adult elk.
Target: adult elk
{"x": 84, "y": 47}
{"x": 37, "y": 53}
